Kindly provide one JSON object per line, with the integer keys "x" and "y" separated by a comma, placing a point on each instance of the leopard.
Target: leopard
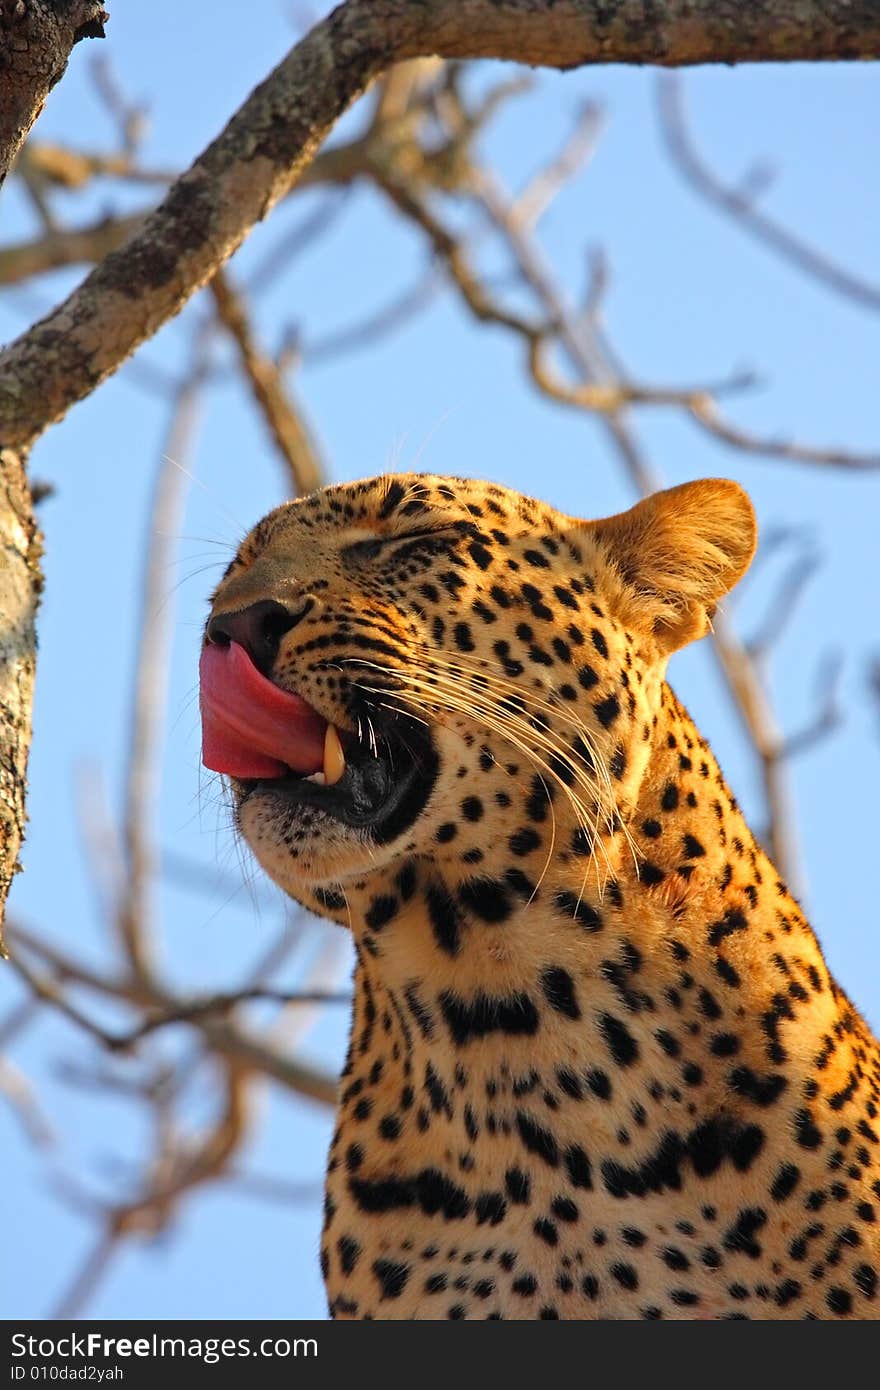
{"x": 598, "y": 1067}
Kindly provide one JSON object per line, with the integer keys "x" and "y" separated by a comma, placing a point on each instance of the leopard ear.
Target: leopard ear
{"x": 680, "y": 551}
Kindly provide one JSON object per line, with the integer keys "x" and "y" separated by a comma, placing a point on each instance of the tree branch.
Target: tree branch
{"x": 742, "y": 207}
{"x": 285, "y": 423}
{"x": 36, "y": 37}
{"x": 266, "y": 145}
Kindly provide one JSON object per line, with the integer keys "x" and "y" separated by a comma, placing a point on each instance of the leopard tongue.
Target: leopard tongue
{"x": 250, "y": 727}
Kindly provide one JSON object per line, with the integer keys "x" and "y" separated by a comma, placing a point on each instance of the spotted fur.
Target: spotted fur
{"x": 598, "y": 1066}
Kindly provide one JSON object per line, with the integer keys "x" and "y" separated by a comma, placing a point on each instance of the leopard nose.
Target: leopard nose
{"x": 258, "y": 628}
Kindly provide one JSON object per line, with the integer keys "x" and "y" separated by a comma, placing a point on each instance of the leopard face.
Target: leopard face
{"x": 597, "y": 1066}
{"x": 448, "y": 632}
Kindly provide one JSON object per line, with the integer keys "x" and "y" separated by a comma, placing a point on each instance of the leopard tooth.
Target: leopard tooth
{"x": 334, "y": 757}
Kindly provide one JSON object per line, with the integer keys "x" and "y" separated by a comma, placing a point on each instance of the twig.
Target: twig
{"x": 794, "y": 581}
{"x": 20, "y": 1098}
{"x": 312, "y": 227}
{"x": 130, "y": 117}
{"x": 198, "y": 1009}
{"x": 291, "y": 437}
{"x": 371, "y": 329}
{"x": 87, "y": 1278}
{"x": 548, "y": 182}
{"x": 148, "y": 711}
{"x": 742, "y": 207}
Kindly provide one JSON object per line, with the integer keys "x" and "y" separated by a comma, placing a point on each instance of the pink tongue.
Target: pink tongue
{"x": 251, "y": 728}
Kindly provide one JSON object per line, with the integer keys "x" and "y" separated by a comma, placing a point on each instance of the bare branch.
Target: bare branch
{"x": 828, "y": 716}
{"x": 60, "y": 166}
{"x": 303, "y": 469}
{"x": 64, "y": 247}
{"x": 20, "y": 1097}
{"x": 371, "y": 329}
{"x": 794, "y": 581}
{"x": 274, "y": 135}
{"x": 548, "y": 182}
{"x": 704, "y": 412}
{"x": 133, "y": 911}
{"x": 741, "y": 205}
{"x": 130, "y": 117}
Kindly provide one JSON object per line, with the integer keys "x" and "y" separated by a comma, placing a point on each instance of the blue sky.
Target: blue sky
{"x": 690, "y": 299}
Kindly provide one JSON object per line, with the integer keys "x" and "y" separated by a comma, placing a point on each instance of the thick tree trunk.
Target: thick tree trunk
{"x": 20, "y": 584}
{"x": 263, "y": 150}
{"x": 36, "y": 37}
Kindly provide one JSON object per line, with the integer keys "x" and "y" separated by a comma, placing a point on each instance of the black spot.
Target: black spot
{"x": 617, "y": 764}
{"x": 607, "y": 710}
{"x": 583, "y": 913}
{"x": 444, "y": 919}
{"x": 330, "y": 898}
{"x": 625, "y": 1276}
{"x": 621, "y": 1044}
{"x": 670, "y": 1044}
{"x": 674, "y": 1258}
{"x": 650, "y": 875}
{"x": 518, "y": 1186}
{"x": 486, "y": 898}
{"x": 599, "y": 642}
{"x": 546, "y": 1230}
{"x": 481, "y": 557}
{"x": 564, "y": 1209}
{"x": 537, "y": 1139}
{"x": 587, "y": 677}
{"x": 349, "y": 1251}
{"x": 437, "y": 1092}
{"x": 559, "y": 991}
{"x": 490, "y": 1207}
{"x": 733, "y": 921}
{"x": 406, "y": 881}
{"x": 513, "y": 1014}
{"x": 569, "y": 1083}
{"x": 692, "y": 848}
{"x": 525, "y": 1285}
{"x": 472, "y": 808}
{"x": 540, "y": 795}
{"x": 865, "y": 1278}
{"x": 740, "y": 1236}
{"x": 598, "y": 1083}
{"x": 762, "y": 1090}
{"x": 806, "y": 1132}
{"x": 381, "y": 911}
{"x": 436, "y": 1193}
{"x": 392, "y": 1277}
{"x": 669, "y": 799}
{"x": 393, "y": 498}
{"x": 578, "y": 1166}
{"x": 727, "y": 973}
{"x": 524, "y": 841}
{"x": 535, "y": 558}
{"x": 709, "y": 1006}
{"x": 839, "y": 1301}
